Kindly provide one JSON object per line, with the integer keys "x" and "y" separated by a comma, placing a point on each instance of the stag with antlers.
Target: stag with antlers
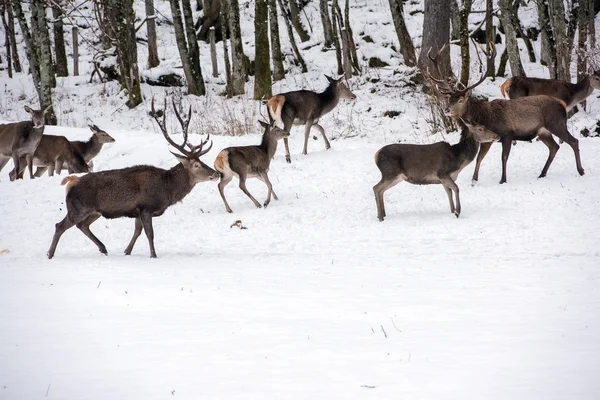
{"x": 518, "y": 119}
{"x": 141, "y": 192}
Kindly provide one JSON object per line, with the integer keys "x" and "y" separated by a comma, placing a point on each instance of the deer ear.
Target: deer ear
{"x": 468, "y": 93}
{"x": 330, "y": 79}
{"x": 264, "y": 124}
{"x": 182, "y": 159}
{"x": 28, "y": 110}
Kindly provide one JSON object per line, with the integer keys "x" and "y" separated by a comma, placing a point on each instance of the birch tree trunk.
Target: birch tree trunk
{"x": 407, "y": 48}
{"x": 262, "y": 66}
{"x": 39, "y": 30}
{"x": 514, "y": 58}
{"x": 59, "y": 42}
{"x": 153, "y": 60}
{"x": 239, "y": 72}
{"x": 276, "y": 56}
{"x": 326, "y": 21}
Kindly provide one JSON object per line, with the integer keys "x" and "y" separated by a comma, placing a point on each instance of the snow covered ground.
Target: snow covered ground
{"x": 316, "y": 299}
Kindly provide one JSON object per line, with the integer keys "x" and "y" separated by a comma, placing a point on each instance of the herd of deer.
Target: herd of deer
{"x": 534, "y": 107}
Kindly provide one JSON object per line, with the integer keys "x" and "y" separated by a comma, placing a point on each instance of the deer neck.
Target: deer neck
{"x": 269, "y": 145}
{"x": 93, "y": 147}
{"x": 179, "y": 183}
{"x": 477, "y": 111}
{"x": 329, "y": 99}
{"x": 466, "y": 149}
{"x": 582, "y": 89}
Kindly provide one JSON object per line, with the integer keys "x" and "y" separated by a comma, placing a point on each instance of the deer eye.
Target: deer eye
{"x": 196, "y": 165}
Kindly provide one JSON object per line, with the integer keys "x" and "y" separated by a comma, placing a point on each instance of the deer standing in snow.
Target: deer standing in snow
{"x": 305, "y": 107}
{"x": 90, "y": 149}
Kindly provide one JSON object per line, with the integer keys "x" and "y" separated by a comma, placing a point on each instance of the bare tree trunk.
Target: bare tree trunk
{"x": 39, "y": 74}
{"x": 502, "y": 65}
{"x": 39, "y": 30}
{"x": 548, "y": 52}
{"x": 436, "y": 34}
{"x": 9, "y": 26}
{"x": 519, "y": 30}
{"x": 186, "y": 51}
{"x": 192, "y": 42}
{"x": 514, "y": 58}
{"x": 59, "y": 42}
{"x": 454, "y": 20}
{"x": 490, "y": 36}
{"x": 153, "y": 60}
{"x": 592, "y": 24}
{"x": 336, "y": 39}
{"x": 352, "y": 45}
{"x": 213, "y": 51}
{"x": 276, "y": 56}
{"x": 287, "y": 19}
{"x": 326, "y": 21}
{"x": 75, "y": 51}
{"x": 262, "y": 66}
{"x": 239, "y": 73}
{"x": 556, "y": 11}
{"x": 295, "y": 18}
{"x": 223, "y": 18}
{"x": 406, "y": 44}
{"x": 583, "y": 17}
{"x": 465, "y": 56}
{"x": 6, "y": 42}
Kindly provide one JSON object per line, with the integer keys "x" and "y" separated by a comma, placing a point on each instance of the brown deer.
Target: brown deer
{"x": 571, "y": 93}
{"x": 426, "y": 164}
{"x": 304, "y": 107}
{"x": 48, "y": 153}
{"x": 139, "y": 192}
{"x": 250, "y": 162}
{"x": 20, "y": 139}
{"x": 519, "y": 119}
{"x": 91, "y": 148}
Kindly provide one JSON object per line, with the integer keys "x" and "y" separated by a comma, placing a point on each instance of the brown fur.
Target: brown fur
{"x": 221, "y": 161}
{"x": 70, "y": 181}
{"x": 504, "y": 87}
{"x": 275, "y": 105}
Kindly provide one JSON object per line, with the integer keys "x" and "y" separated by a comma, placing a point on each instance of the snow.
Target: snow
{"x": 316, "y": 298}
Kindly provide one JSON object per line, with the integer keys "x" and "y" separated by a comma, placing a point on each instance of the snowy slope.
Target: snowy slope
{"x": 316, "y": 299}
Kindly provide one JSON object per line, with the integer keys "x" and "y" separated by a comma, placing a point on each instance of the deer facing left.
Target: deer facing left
{"x": 21, "y": 139}
{"x": 141, "y": 192}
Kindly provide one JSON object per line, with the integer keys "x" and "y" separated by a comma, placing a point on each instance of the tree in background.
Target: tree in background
{"x": 188, "y": 46}
{"x": 153, "y": 60}
{"x": 239, "y": 73}
{"x": 436, "y": 34}
{"x": 295, "y": 19}
{"x": 512, "y": 47}
{"x": 276, "y": 56}
{"x": 38, "y": 53}
{"x": 406, "y": 45}
{"x": 262, "y": 66}
{"x": 60, "y": 52}
{"x": 326, "y": 21}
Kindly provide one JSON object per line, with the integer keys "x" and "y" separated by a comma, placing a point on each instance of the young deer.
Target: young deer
{"x": 249, "y": 162}
{"x": 20, "y": 139}
{"x": 425, "y": 164}
{"x": 304, "y": 107}
{"x": 571, "y": 93}
{"x": 91, "y": 148}
{"x": 48, "y": 153}
{"x": 139, "y": 192}
{"x": 518, "y": 119}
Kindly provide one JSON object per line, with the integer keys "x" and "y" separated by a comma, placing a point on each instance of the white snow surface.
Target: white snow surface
{"x": 316, "y": 299}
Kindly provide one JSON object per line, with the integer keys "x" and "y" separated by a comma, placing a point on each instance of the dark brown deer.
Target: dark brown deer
{"x": 304, "y": 107}
{"x": 425, "y": 164}
{"x": 91, "y": 148}
{"x": 20, "y": 139}
{"x": 571, "y": 93}
{"x": 519, "y": 119}
{"x": 139, "y": 192}
{"x": 48, "y": 153}
{"x": 250, "y": 162}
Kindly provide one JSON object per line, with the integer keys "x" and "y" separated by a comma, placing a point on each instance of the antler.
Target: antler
{"x": 489, "y": 56}
{"x": 445, "y": 89}
{"x": 195, "y": 151}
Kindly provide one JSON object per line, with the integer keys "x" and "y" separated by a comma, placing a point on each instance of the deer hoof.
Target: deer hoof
{"x": 103, "y": 251}
{"x": 581, "y": 171}
{"x": 258, "y": 206}
{"x": 457, "y": 214}
{"x": 288, "y": 160}
{"x": 265, "y": 204}
{"x": 542, "y": 176}
{"x": 153, "y": 255}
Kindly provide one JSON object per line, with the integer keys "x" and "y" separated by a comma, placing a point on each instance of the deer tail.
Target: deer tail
{"x": 275, "y": 105}
{"x": 504, "y": 87}
{"x": 70, "y": 181}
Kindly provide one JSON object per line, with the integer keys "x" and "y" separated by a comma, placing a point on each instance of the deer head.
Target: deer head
{"x": 480, "y": 133}
{"x": 37, "y": 116}
{"x": 190, "y": 156}
{"x": 102, "y": 136}
{"x": 274, "y": 131}
{"x": 340, "y": 88}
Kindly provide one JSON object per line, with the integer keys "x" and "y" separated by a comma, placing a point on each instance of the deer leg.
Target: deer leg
{"x": 574, "y": 143}
{"x": 242, "y": 178}
{"x": 379, "y": 189}
{"x": 84, "y": 226}
{"x": 40, "y": 171}
{"x": 449, "y": 184}
{"x": 553, "y": 147}
{"x": 3, "y": 162}
{"x": 29, "y": 159}
{"x": 91, "y": 165}
{"x": 224, "y": 182}
{"x": 265, "y": 178}
{"x": 306, "y": 135}
{"x": 61, "y": 227}
{"x": 506, "y": 145}
{"x": 483, "y": 150}
{"x": 14, "y": 174}
{"x": 58, "y": 166}
{"x": 136, "y": 234}
{"x": 147, "y": 224}
{"x": 449, "y": 193}
{"x": 320, "y": 129}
